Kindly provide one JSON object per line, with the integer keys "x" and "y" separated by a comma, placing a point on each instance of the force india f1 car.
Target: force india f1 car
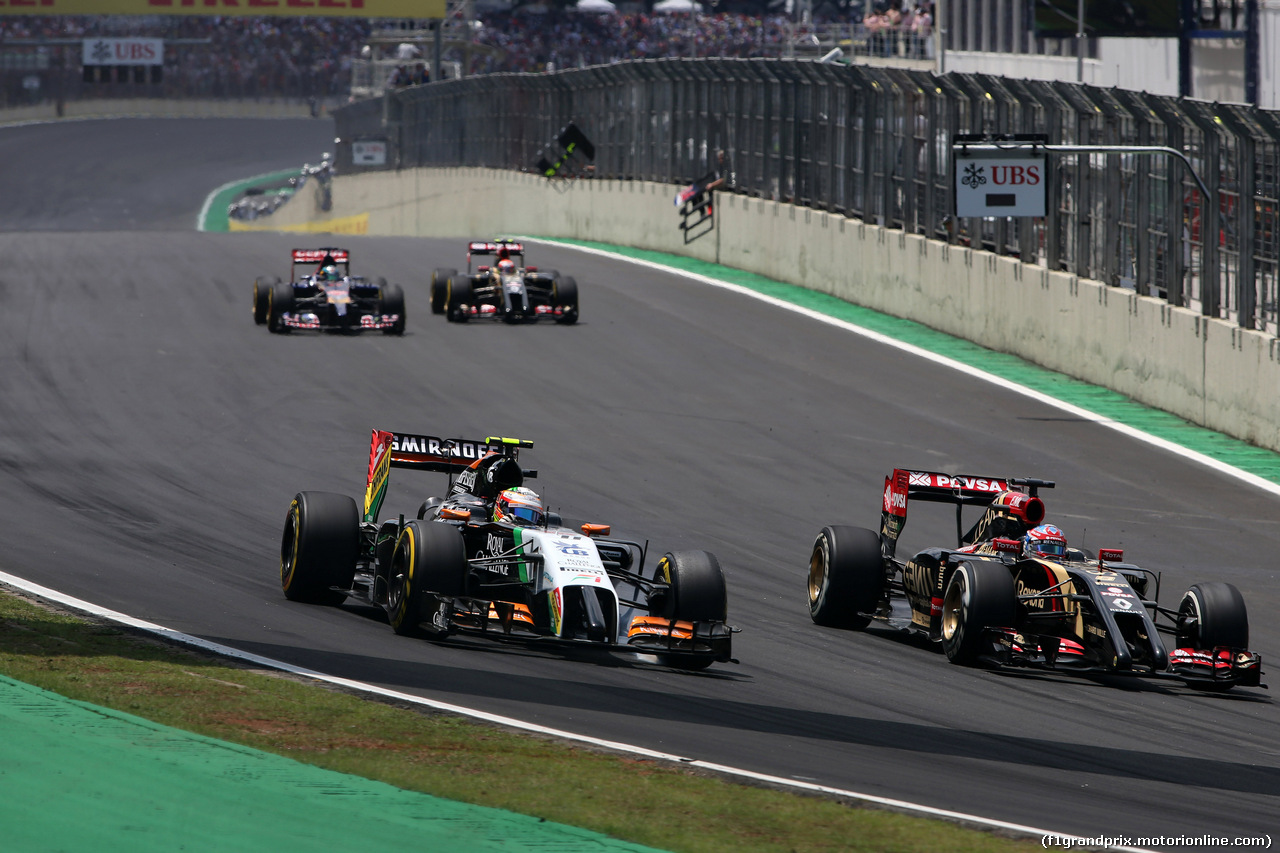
{"x": 507, "y": 290}
{"x": 996, "y": 598}
{"x": 454, "y": 568}
{"x": 328, "y": 298}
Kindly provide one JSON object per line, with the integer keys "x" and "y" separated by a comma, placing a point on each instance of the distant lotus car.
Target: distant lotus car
{"x": 1004, "y": 597}
{"x": 459, "y": 567}
{"x": 505, "y": 290}
{"x": 329, "y": 297}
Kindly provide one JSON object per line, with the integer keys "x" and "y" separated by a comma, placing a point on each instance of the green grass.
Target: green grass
{"x": 643, "y": 801}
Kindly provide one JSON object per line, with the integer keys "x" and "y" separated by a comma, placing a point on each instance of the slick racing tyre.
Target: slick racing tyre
{"x": 459, "y": 292}
{"x": 980, "y": 595}
{"x": 846, "y": 577}
{"x": 393, "y": 303}
{"x": 440, "y": 288}
{"x": 262, "y": 297}
{"x": 429, "y": 564}
{"x": 696, "y": 589}
{"x": 564, "y": 295}
{"x": 280, "y": 303}
{"x": 319, "y": 548}
{"x": 1212, "y": 615}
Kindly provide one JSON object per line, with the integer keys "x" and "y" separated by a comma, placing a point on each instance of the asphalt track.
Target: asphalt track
{"x": 151, "y": 438}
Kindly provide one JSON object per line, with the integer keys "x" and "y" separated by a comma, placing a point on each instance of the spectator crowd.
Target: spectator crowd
{"x": 226, "y": 57}
{"x": 312, "y": 57}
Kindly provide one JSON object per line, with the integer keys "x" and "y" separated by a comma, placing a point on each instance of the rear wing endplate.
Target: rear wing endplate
{"x": 452, "y": 456}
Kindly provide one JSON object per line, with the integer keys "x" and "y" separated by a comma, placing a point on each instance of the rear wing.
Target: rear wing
{"x": 451, "y": 456}
{"x": 1016, "y": 497}
{"x": 485, "y": 249}
{"x": 319, "y": 257}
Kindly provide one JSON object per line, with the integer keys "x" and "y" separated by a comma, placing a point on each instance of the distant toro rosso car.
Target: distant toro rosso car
{"x": 470, "y": 562}
{"x": 327, "y": 296}
{"x": 1012, "y": 593}
{"x": 504, "y": 290}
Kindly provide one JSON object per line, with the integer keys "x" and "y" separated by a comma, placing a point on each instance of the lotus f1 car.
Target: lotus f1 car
{"x": 327, "y": 298}
{"x": 996, "y": 598}
{"x": 506, "y": 290}
{"x": 454, "y": 569}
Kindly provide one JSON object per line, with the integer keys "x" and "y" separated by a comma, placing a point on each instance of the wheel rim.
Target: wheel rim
{"x": 953, "y": 605}
{"x": 1189, "y": 618}
{"x": 399, "y": 583}
{"x": 817, "y": 571}
{"x": 289, "y": 551}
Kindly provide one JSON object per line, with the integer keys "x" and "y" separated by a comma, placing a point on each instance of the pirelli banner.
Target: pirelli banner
{"x": 235, "y": 8}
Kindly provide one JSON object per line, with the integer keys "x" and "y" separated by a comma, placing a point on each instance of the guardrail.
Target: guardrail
{"x": 874, "y": 144}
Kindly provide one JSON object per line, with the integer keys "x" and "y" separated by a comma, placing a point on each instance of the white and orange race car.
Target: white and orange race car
{"x": 1012, "y": 593}
{"x": 485, "y": 558}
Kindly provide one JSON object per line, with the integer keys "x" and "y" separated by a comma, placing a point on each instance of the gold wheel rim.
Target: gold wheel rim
{"x": 817, "y": 574}
{"x": 952, "y": 606}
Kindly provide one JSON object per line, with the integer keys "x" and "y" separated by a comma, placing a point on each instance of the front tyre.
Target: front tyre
{"x": 393, "y": 303}
{"x": 460, "y": 294}
{"x": 280, "y": 303}
{"x": 978, "y": 596}
{"x": 846, "y": 577}
{"x": 440, "y": 288}
{"x": 695, "y": 587}
{"x": 564, "y": 295}
{"x": 319, "y": 547}
{"x": 429, "y": 564}
{"x": 1212, "y": 615}
{"x": 262, "y": 298}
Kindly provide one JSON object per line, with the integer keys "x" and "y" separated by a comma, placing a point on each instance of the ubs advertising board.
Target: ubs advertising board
{"x": 233, "y": 8}
{"x": 1008, "y": 182}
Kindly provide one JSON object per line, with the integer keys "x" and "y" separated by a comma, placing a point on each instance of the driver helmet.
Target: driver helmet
{"x": 330, "y": 273}
{"x": 1047, "y": 540}
{"x": 519, "y": 506}
{"x": 506, "y": 266}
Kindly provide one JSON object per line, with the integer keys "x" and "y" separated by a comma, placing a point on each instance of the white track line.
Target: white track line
{"x": 208, "y": 200}
{"x": 1132, "y": 432}
{"x": 171, "y": 635}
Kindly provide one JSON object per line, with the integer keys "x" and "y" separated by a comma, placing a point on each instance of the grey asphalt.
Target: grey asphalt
{"x": 151, "y": 438}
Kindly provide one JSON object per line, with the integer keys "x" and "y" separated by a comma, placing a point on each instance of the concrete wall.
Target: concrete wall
{"x": 158, "y": 108}
{"x": 1204, "y": 370}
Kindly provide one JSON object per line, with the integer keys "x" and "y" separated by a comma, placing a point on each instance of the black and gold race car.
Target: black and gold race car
{"x": 504, "y": 290}
{"x": 1012, "y": 593}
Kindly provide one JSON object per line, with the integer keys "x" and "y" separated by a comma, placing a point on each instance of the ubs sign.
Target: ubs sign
{"x": 123, "y": 51}
{"x": 1004, "y": 182}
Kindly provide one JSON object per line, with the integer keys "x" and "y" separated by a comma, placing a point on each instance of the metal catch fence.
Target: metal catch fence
{"x": 875, "y": 144}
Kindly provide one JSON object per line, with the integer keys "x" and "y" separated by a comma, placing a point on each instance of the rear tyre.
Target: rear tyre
{"x": 439, "y": 288}
{"x": 978, "y": 596}
{"x": 429, "y": 564}
{"x": 846, "y": 577}
{"x": 262, "y": 297}
{"x": 280, "y": 303}
{"x": 696, "y": 589}
{"x": 319, "y": 548}
{"x": 564, "y": 295}
{"x": 393, "y": 303}
{"x": 1212, "y": 615}
{"x": 459, "y": 292}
